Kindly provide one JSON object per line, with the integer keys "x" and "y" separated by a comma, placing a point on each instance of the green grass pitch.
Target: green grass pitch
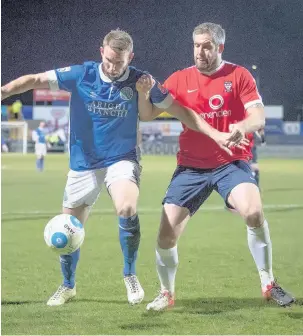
{"x": 218, "y": 289}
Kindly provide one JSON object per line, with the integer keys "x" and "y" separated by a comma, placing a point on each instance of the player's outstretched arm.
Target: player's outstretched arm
{"x": 25, "y": 83}
{"x": 195, "y": 122}
{"x": 191, "y": 119}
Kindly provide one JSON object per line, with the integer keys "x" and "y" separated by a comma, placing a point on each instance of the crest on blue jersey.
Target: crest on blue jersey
{"x": 126, "y": 93}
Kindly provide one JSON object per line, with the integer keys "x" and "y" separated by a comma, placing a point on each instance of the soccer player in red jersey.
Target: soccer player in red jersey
{"x": 225, "y": 95}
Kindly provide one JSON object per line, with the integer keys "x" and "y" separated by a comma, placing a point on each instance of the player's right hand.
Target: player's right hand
{"x": 145, "y": 84}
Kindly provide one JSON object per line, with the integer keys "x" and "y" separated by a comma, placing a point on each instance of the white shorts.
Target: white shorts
{"x": 84, "y": 187}
{"x": 40, "y": 149}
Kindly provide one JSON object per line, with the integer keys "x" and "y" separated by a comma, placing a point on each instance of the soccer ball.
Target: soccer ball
{"x": 64, "y": 234}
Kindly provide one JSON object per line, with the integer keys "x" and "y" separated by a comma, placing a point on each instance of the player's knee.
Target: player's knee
{"x": 167, "y": 237}
{"x": 81, "y": 212}
{"x": 166, "y": 242}
{"x": 254, "y": 216}
{"x": 126, "y": 209}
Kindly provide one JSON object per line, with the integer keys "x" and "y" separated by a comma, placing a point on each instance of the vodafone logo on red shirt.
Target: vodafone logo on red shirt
{"x": 216, "y": 102}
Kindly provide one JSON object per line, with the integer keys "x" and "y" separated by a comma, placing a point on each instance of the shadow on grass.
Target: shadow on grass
{"x": 206, "y": 307}
{"x": 16, "y": 303}
{"x": 74, "y": 301}
{"x": 143, "y": 326}
{"x": 203, "y": 306}
{"x": 295, "y": 315}
{"x": 215, "y": 306}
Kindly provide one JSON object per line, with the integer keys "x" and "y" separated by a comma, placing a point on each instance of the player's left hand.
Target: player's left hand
{"x": 221, "y": 139}
{"x": 237, "y": 136}
{"x": 145, "y": 84}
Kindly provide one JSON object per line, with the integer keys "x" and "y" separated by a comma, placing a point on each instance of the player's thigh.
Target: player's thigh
{"x": 246, "y": 199}
{"x": 82, "y": 190}
{"x": 173, "y": 221}
{"x": 44, "y": 150}
{"x": 124, "y": 194}
{"x": 238, "y": 187}
{"x": 122, "y": 180}
{"x": 189, "y": 188}
{"x": 40, "y": 150}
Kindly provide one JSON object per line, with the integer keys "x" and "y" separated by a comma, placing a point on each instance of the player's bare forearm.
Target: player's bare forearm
{"x": 194, "y": 121}
{"x": 255, "y": 119}
{"x": 23, "y": 84}
{"x": 147, "y": 111}
{"x": 191, "y": 119}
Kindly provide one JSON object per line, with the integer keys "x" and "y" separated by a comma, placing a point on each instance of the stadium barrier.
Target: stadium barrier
{"x": 160, "y": 137}
{"x": 284, "y": 139}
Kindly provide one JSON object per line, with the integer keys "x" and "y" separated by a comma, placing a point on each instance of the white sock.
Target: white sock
{"x": 260, "y": 247}
{"x": 167, "y": 263}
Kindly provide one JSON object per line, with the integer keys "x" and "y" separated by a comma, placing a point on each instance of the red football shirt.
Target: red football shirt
{"x": 221, "y": 98}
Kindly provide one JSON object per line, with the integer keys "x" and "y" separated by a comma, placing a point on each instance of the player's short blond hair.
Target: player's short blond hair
{"x": 214, "y": 30}
{"x": 119, "y": 40}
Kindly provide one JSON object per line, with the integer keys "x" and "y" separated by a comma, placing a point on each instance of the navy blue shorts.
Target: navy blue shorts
{"x": 190, "y": 187}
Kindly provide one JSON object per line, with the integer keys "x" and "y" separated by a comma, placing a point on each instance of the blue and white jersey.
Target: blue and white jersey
{"x": 38, "y": 136}
{"x": 103, "y": 113}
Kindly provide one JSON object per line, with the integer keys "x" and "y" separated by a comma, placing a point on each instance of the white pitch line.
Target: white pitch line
{"x": 149, "y": 210}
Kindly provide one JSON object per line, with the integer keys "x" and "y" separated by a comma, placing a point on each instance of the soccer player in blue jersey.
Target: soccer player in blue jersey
{"x": 38, "y": 136}
{"x": 104, "y": 114}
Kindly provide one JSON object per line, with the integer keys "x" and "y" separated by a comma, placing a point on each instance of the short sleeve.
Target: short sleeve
{"x": 34, "y": 135}
{"x": 171, "y": 84}
{"x": 64, "y": 78}
{"x": 248, "y": 90}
